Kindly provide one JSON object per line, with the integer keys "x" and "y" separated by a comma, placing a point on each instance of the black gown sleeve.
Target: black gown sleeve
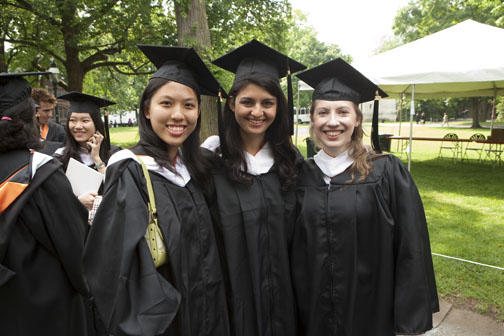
{"x": 131, "y": 296}
{"x": 415, "y": 293}
{"x": 64, "y": 226}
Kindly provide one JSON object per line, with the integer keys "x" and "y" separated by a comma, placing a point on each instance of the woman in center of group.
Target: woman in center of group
{"x": 253, "y": 201}
{"x": 185, "y": 295}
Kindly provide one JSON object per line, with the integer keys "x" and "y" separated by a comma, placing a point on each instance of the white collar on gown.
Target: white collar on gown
{"x": 332, "y": 166}
{"x": 180, "y": 179}
{"x": 257, "y": 164}
{"x": 85, "y": 156}
{"x": 260, "y": 163}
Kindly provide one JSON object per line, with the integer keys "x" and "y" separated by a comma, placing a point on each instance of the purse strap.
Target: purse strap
{"x": 152, "y": 201}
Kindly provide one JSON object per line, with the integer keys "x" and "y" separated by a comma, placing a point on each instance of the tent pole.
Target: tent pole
{"x": 400, "y": 118}
{"x": 412, "y": 113}
{"x": 493, "y": 109}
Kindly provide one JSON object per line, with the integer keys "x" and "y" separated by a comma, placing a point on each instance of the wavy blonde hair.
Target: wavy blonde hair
{"x": 358, "y": 151}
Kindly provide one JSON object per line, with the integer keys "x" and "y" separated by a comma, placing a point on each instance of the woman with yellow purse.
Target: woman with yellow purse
{"x": 151, "y": 258}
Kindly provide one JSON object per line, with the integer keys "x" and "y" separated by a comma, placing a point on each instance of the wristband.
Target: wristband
{"x": 100, "y": 165}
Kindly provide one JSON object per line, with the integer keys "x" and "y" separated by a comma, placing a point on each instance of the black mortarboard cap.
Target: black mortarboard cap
{"x": 338, "y": 80}
{"x": 14, "y": 88}
{"x": 184, "y": 66}
{"x": 84, "y": 103}
{"x": 257, "y": 59}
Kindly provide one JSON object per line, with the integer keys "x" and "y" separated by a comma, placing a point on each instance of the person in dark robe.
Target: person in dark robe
{"x": 42, "y": 228}
{"x": 52, "y": 134}
{"x": 185, "y": 295}
{"x": 361, "y": 259}
{"x": 253, "y": 196}
{"x": 85, "y": 141}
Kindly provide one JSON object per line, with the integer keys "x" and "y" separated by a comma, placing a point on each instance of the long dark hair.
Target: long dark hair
{"x": 21, "y": 131}
{"x": 151, "y": 144}
{"x": 73, "y": 148}
{"x": 277, "y": 135}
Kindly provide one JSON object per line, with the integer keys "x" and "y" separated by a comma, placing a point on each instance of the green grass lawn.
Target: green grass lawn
{"x": 124, "y": 137}
{"x": 464, "y": 205}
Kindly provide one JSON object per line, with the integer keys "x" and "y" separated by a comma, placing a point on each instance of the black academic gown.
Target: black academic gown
{"x": 56, "y": 132}
{"x": 255, "y": 226}
{"x": 55, "y": 138}
{"x": 361, "y": 254}
{"x": 183, "y": 297}
{"x": 41, "y": 244}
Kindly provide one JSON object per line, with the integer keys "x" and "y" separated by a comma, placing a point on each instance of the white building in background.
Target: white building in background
{"x": 388, "y": 110}
{"x": 123, "y": 119}
{"x": 303, "y": 117}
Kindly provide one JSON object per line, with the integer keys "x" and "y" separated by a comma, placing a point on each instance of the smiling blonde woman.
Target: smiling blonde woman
{"x": 361, "y": 256}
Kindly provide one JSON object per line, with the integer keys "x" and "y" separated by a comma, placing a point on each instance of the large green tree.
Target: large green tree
{"x": 93, "y": 42}
{"x": 212, "y": 28}
{"x": 81, "y": 35}
{"x": 424, "y": 17}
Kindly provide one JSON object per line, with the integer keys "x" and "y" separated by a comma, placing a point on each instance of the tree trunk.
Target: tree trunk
{"x": 75, "y": 76}
{"x": 192, "y": 27}
{"x": 3, "y": 63}
{"x": 74, "y": 70}
{"x": 475, "y": 104}
{"x": 73, "y": 66}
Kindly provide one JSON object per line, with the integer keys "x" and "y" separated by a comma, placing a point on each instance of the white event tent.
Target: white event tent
{"x": 464, "y": 60}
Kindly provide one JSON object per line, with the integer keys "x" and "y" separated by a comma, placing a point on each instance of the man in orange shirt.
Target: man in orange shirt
{"x": 52, "y": 134}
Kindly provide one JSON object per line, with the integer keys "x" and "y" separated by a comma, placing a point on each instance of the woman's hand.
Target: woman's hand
{"x": 88, "y": 199}
{"x": 94, "y": 143}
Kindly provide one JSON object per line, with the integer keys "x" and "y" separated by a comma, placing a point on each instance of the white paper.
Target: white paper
{"x": 82, "y": 178}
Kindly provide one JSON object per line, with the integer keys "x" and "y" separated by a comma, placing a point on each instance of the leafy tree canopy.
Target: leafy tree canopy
{"x": 80, "y": 35}
{"x": 94, "y": 41}
{"x": 424, "y": 17}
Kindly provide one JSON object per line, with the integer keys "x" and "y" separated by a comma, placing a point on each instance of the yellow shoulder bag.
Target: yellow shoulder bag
{"x": 153, "y": 235}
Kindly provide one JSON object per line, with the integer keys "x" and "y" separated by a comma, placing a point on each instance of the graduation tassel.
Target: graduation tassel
{"x": 375, "y": 141}
{"x": 107, "y": 133}
{"x": 220, "y": 124}
{"x": 290, "y": 102}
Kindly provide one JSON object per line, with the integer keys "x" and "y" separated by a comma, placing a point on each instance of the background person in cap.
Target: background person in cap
{"x": 253, "y": 201}
{"x": 184, "y": 296}
{"x": 85, "y": 138}
{"x": 42, "y": 228}
{"x": 51, "y": 133}
{"x": 361, "y": 255}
